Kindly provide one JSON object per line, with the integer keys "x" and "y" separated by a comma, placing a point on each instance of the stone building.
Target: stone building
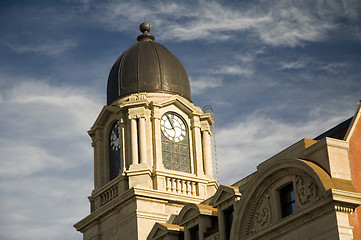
{"x": 153, "y": 174}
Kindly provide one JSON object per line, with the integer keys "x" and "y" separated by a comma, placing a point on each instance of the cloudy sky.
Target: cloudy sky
{"x": 274, "y": 72}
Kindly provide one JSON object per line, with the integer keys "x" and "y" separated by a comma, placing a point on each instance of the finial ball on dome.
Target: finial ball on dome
{"x": 145, "y": 27}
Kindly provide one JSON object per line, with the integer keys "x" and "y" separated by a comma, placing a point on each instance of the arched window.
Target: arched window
{"x": 287, "y": 197}
{"x": 175, "y": 143}
{"x": 114, "y": 152}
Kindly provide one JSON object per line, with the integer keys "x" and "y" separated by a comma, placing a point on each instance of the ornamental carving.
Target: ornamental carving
{"x": 262, "y": 216}
{"x": 306, "y": 191}
{"x": 258, "y": 213}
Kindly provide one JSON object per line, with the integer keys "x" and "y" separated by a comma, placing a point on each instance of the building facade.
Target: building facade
{"x": 152, "y": 152}
{"x": 153, "y": 174}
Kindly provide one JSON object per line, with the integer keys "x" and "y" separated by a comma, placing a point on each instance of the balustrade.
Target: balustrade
{"x": 181, "y": 186}
{"x": 108, "y": 195}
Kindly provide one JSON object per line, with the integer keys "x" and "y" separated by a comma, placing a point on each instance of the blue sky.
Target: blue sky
{"x": 274, "y": 72}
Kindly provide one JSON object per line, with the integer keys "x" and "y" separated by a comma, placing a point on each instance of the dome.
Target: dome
{"x": 147, "y": 66}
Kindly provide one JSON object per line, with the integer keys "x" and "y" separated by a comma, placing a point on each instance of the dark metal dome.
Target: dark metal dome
{"x": 147, "y": 66}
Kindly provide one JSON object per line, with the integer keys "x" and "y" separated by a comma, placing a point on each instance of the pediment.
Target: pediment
{"x": 187, "y": 107}
{"x": 187, "y": 213}
{"x": 159, "y": 230}
{"x": 191, "y": 211}
{"x": 223, "y": 194}
{"x": 190, "y": 214}
{"x": 104, "y": 115}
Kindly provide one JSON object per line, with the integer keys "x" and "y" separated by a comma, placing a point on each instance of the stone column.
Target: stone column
{"x": 134, "y": 140}
{"x": 197, "y": 146}
{"x": 207, "y": 154}
{"x": 157, "y": 140}
{"x": 142, "y": 141}
{"x": 100, "y": 165}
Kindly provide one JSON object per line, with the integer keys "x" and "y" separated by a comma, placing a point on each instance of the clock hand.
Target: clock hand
{"x": 170, "y": 121}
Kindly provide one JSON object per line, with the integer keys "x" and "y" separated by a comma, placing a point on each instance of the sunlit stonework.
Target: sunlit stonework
{"x": 153, "y": 172}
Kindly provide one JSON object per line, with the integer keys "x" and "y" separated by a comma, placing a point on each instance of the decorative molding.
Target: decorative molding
{"x": 134, "y": 113}
{"x": 183, "y": 104}
{"x": 348, "y": 197}
{"x": 208, "y": 118}
{"x": 156, "y": 113}
{"x": 195, "y": 123}
{"x": 344, "y": 209}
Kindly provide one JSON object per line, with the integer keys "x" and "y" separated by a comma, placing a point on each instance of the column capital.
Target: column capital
{"x": 156, "y": 114}
{"x": 205, "y": 127}
{"x": 134, "y": 113}
{"x": 96, "y": 135}
{"x": 195, "y": 123}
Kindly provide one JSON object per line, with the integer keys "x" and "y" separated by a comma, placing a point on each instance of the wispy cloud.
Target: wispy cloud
{"x": 198, "y": 85}
{"x": 298, "y": 64}
{"x": 288, "y": 23}
{"x": 242, "y": 145}
{"x": 43, "y": 135}
{"x": 232, "y": 70}
{"x": 312, "y": 65}
{"x": 48, "y": 48}
{"x": 335, "y": 67}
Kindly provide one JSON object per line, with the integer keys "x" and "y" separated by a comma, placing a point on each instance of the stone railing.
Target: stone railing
{"x": 180, "y": 183}
{"x": 182, "y": 186}
{"x": 106, "y": 194}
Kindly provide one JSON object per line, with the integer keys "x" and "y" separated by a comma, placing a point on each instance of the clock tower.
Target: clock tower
{"x": 152, "y": 151}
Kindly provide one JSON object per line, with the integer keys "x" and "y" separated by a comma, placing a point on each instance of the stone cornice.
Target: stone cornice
{"x": 347, "y": 197}
{"x": 183, "y": 175}
{"x": 207, "y": 117}
{"x": 137, "y": 103}
{"x": 135, "y": 192}
{"x": 324, "y": 143}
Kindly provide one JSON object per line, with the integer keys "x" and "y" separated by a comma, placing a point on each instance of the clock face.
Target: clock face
{"x": 114, "y": 138}
{"x": 173, "y": 127}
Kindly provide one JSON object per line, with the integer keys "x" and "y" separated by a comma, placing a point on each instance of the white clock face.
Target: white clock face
{"x": 114, "y": 138}
{"x": 173, "y": 127}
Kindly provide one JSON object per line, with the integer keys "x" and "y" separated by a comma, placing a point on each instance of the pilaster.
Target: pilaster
{"x": 207, "y": 153}
{"x": 99, "y": 160}
{"x": 134, "y": 140}
{"x": 157, "y": 139}
{"x": 142, "y": 141}
{"x": 197, "y": 146}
